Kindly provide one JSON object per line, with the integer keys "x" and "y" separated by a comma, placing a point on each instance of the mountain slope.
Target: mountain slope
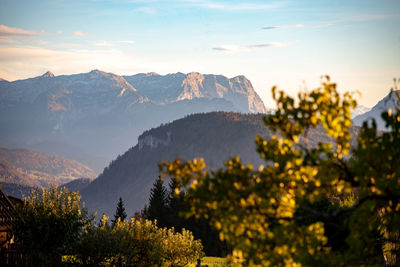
{"x": 388, "y": 102}
{"x": 10, "y": 174}
{"x": 359, "y": 110}
{"x": 103, "y": 114}
{"x": 214, "y": 136}
{"x": 78, "y": 184}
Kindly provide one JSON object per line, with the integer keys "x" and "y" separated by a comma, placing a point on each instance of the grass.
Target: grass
{"x": 211, "y": 262}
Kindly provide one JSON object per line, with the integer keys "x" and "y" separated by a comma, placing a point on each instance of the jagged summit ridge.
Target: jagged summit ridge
{"x": 159, "y": 89}
{"x": 179, "y": 86}
{"x": 48, "y": 74}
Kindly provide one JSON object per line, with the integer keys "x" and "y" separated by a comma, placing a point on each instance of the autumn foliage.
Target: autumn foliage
{"x": 290, "y": 210}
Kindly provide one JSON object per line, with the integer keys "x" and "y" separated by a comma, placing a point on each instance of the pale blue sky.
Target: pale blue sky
{"x": 284, "y": 43}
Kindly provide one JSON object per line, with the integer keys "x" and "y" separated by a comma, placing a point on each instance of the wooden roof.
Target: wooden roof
{"x": 8, "y": 214}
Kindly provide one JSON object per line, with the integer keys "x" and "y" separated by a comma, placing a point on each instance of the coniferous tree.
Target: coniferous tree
{"x": 200, "y": 228}
{"x": 175, "y": 206}
{"x": 120, "y": 212}
{"x": 158, "y": 204}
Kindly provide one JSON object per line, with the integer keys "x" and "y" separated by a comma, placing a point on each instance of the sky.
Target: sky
{"x": 290, "y": 44}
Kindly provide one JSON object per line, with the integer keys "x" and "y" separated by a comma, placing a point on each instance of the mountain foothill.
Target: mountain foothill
{"x": 22, "y": 170}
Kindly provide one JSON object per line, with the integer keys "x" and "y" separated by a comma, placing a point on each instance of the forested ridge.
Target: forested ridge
{"x": 214, "y": 136}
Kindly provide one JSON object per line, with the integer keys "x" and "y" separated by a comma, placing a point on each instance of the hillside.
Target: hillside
{"x": 214, "y": 136}
{"x": 12, "y": 175}
{"x": 102, "y": 113}
{"x": 78, "y": 184}
{"x": 34, "y": 169}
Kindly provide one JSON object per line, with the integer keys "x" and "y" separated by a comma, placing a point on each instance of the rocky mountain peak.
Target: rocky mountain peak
{"x": 175, "y": 87}
{"x": 97, "y": 73}
{"x": 48, "y": 74}
{"x": 192, "y": 86}
{"x": 152, "y": 74}
{"x": 240, "y": 78}
{"x": 194, "y": 75}
{"x": 391, "y": 101}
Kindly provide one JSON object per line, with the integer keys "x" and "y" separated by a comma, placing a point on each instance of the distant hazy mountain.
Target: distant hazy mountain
{"x": 29, "y": 168}
{"x": 388, "y": 102}
{"x": 78, "y": 184}
{"x": 359, "y": 110}
{"x": 214, "y": 136}
{"x": 102, "y": 114}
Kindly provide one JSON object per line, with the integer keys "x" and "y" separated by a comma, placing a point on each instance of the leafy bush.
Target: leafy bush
{"x": 51, "y": 222}
{"x": 54, "y": 228}
{"x": 136, "y": 243}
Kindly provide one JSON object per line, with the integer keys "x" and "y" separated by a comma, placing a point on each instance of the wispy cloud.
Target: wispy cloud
{"x": 6, "y": 39}
{"x": 111, "y": 43}
{"x": 60, "y": 32}
{"x": 322, "y": 25}
{"x": 215, "y": 5}
{"x": 297, "y": 26}
{"x": 11, "y": 31}
{"x": 243, "y": 48}
{"x": 33, "y": 42}
{"x": 102, "y": 43}
{"x": 234, "y": 6}
{"x": 127, "y": 42}
{"x": 79, "y": 33}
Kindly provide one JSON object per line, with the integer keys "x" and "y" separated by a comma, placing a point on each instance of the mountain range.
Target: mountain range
{"x": 92, "y": 117}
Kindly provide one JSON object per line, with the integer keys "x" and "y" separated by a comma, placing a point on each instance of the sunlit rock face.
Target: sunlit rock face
{"x": 178, "y": 86}
{"x": 92, "y": 117}
{"x": 153, "y": 142}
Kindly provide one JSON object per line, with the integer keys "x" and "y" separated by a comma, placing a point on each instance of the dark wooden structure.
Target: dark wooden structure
{"x": 9, "y": 254}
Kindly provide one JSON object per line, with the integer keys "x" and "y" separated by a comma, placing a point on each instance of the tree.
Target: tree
{"x": 158, "y": 204}
{"x": 175, "y": 206}
{"x": 280, "y": 213}
{"x": 51, "y": 222}
{"x": 199, "y": 227}
{"x": 120, "y": 212}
